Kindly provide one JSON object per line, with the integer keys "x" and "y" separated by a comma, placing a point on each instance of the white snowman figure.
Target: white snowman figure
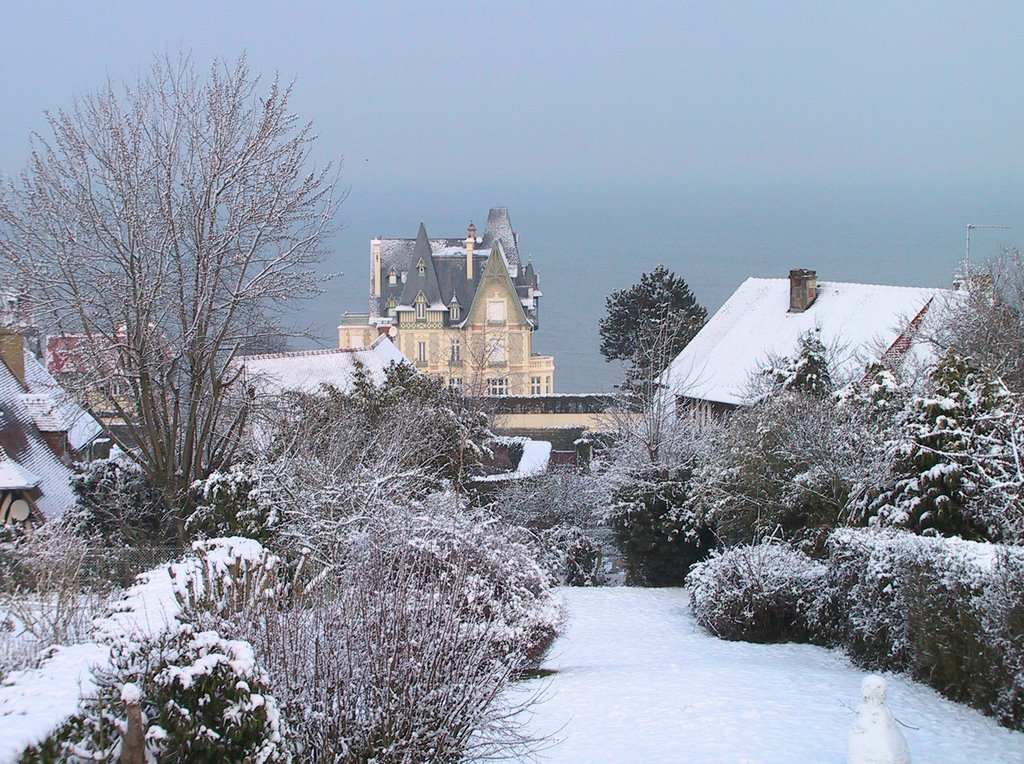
{"x": 875, "y": 737}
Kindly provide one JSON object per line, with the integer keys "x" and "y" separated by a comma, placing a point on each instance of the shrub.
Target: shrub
{"x": 655, "y": 528}
{"x": 402, "y": 652}
{"x": 231, "y": 575}
{"x": 202, "y": 698}
{"x": 558, "y": 509}
{"x": 120, "y": 504}
{"x": 48, "y": 594}
{"x": 234, "y": 502}
{"x": 766, "y": 592}
{"x": 947, "y": 611}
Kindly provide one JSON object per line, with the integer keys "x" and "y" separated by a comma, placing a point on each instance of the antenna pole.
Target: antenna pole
{"x": 967, "y": 253}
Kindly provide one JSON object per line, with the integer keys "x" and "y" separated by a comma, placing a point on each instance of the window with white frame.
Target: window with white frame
{"x": 421, "y": 352}
{"x": 456, "y": 351}
{"x": 421, "y": 307}
{"x": 455, "y": 383}
{"x": 421, "y": 267}
{"x": 454, "y": 311}
{"x": 392, "y": 304}
{"x": 497, "y": 386}
{"x": 495, "y": 311}
{"x": 534, "y": 385}
{"x": 548, "y": 386}
{"x": 392, "y": 277}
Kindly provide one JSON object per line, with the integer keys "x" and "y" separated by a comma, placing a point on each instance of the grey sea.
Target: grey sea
{"x": 587, "y": 242}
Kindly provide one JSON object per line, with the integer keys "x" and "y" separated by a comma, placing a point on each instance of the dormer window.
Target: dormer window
{"x": 392, "y": 304}
{"x": 421, "y": 267}
{"x": 454, "y": 311}
{"x": 392, "y": 277}
{"x": 421, "y": 307}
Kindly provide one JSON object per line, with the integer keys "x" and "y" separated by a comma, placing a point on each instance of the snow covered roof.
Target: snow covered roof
{"x": 307, "y": 370}
{"x": 27, "y": 462}
{"x": 444, "y": 260}
{"x": 14, "y": 477}
{"x": 54, "y": 409}
{"x": 857, "y": 322}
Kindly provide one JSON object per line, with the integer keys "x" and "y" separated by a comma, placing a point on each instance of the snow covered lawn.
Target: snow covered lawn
{"x": 638, "y": 681}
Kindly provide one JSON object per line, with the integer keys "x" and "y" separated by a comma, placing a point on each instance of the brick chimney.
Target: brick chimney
{"x": 803, "y": 289}
{"x": 470, "y": 246}
{"x": 12, "y": 352}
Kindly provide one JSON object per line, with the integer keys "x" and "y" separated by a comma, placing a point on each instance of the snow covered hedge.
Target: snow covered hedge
{"x": 948, "y": 611}
{"x": 765, "y": 592}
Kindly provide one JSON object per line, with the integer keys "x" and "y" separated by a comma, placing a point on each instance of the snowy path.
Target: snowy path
{"x": 639, "y": 683}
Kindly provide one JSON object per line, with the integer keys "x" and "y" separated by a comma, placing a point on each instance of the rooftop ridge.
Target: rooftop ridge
{"x": 302, "y": 353}
{"x": 853, "y": 283}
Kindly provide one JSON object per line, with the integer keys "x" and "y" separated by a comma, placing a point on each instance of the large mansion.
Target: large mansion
{"x": 464, "y": 309}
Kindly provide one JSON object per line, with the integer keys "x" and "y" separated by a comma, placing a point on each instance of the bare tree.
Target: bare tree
{"x": 162, "y": 225}
{"x": 984, "y": 319}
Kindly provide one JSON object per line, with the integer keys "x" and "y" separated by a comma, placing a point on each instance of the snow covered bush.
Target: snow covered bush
{"x": 766, "y": 592}
{"x": 955, "y": 464}
{"x": 47, "y": 594}
{"x": 505, "y": 586}
{"x": 787, "y": 465}
{"x": 560, "y": 510}
{"x": 808, "y": 373}
{"x": 230, "y": 575}
{"x": 238, "y": 501}
{"x": 402, "y": 651}
{"x": 119, "y": 503}
{"x": 947, "y": 611}
{"x": 655, "y": 526}
{"x": 201, "y": 698}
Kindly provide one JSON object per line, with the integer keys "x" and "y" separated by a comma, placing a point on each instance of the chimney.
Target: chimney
{"x": 470, "y": 246}
{"x": 12, "y": 352}
{"x": 375, "y": 265}
{"x": 803, "y": 289}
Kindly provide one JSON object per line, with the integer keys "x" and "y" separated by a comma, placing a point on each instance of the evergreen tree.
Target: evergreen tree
{"x": 649, "y": 323}
{"x": 808, "y": 373}
{"x": 655, "y": 528}
{"x": 950, "y": 441}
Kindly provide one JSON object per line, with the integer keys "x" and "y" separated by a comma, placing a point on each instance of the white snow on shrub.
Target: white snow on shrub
{"x": 35, "y": 702}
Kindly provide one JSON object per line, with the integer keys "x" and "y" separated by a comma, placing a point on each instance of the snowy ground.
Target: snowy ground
{"x": 638, "y": 681}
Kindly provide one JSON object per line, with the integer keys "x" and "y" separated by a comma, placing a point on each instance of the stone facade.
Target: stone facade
{"x": 463, "y": 309}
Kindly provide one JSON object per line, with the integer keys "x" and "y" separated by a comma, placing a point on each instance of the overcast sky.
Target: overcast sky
{"x": 608, "y": 92}
{"x": 619, "y": 134}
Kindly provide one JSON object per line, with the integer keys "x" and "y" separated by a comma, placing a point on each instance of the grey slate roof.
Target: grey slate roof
{"x": 427, "y": 283}
{"x": 22, "y": 448}
{"x": 499, "y": 229}
{"x": 449, "y": 266}
{"x": 444, "y": 267}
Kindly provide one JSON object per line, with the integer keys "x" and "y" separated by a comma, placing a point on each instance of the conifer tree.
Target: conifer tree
{"x": 649, "y": 323}
{"x": 950, "y": 439}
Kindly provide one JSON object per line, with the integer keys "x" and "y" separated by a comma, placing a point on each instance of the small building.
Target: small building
{"x": 464, "y": 309}
{"x": 43, "y": 431}
{"x": 765, "y": 318}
